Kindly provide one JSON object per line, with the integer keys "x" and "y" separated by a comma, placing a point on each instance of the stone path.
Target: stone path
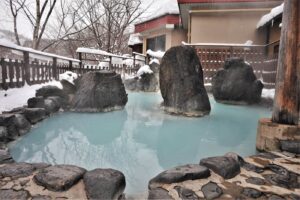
{"x": 264, "y": 176}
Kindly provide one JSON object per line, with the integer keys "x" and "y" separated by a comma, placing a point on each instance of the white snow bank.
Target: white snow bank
{"x": 134, "y": 39}
{"x": 270, "y": 16}
{"x": 144, "y": 70}
{"x": 268, "y": 93}
{"x": 155, "y": 54}
{"x": 154, "y": 60}
{"x": 17, "y": 97}
{"x": 68, "y": 76}
{"x": 6, "y": 43}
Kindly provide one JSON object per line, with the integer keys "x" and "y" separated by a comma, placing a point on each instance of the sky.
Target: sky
{"x": 154, "y": 8}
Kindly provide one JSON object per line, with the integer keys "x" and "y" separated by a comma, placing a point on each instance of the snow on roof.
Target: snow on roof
{"x": 155, "y": 54}
{"x": 9, "y": 44}
{"x": 98, "y": 52}
{"x": 134, "y": 39}
{"x": 159, "y": 8}
{"x": 270, "y": 16}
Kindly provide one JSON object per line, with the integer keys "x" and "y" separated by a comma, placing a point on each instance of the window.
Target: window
{"x": 157, "y": 43}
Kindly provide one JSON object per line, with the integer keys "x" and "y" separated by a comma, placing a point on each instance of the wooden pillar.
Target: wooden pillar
{"x": 54, "y": 68}
{"x": 80, "y": 63}
{"x": 70, "y": 66}
{"x": 110, "y": 63}
{"x": 26, "y": 67}
{"x": 286, "y": 102}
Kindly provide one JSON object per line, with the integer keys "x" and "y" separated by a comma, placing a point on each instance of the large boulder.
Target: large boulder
{"x": 181, "y": 83}
{"x": 50, "y": 90}
{"x": 236, "y": 83}
{"x": 180, "y": 174}
{"x": 99, "y": 92}
{"x": 104, "y": 184}
{"x": 16, "y": 170}
{"x": 34, "y": 115}
{"x": 59, "y": 177}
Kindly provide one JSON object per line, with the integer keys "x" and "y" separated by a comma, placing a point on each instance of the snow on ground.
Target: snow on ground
{"x": 68, "y": 76}
{"x": 268, "y": 93}
{"x": 17, "y": 97}
{"x": 270, "y": 16}
{"x": 155, "y": 54}
{"x": 144, "y": 70}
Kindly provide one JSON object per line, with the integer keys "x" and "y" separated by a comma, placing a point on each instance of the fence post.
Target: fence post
{"x": 54, "y": 68}
{"x": 110, "y": 63}
{"x": 70, "y": 66}
{"x": 231, "y": 51}
{"x": 133, "y": 60}
{"x": 80, "y": 63}
{"x": 26, "y": 67}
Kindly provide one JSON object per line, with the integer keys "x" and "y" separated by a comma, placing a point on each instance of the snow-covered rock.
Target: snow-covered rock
{"x": 154, "y": 60}
{"x": 68, "y": 76}
{"x": 155, "y": 54}
{"x": 144, "y": 70}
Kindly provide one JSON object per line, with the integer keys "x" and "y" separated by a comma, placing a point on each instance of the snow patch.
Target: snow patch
{"x": 268, "y": 93}
{"x": 144, "y": 70}
{"x": 68, "y": 76}
{"x": 17, "y": 97}
{"x": 270, "y": 16}
{"x": 156, "y": 54}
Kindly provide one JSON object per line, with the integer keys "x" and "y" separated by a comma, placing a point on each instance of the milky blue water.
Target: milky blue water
{"x": 140, "y": 140}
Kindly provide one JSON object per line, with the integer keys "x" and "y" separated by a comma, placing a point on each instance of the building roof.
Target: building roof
{"x": 185, "y": 6}
{"x": 157, "y": 23}
{"x": 266, "y": 19}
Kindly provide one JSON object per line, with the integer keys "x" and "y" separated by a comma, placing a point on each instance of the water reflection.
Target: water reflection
{"x": 141, "y": 140}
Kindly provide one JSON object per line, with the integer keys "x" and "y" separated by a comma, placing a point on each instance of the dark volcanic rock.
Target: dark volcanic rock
{"x": 3, "y": 133}
{"x": 16, "y": 170}
{"x": 211, "y": 190}
{"x": 36, "y": 102}
{"x": 181, "y": 83}
{"x": 252, "y": 193}
{"x": 104, "y": 184}
{"x": 34, "y": 115}
{"x": 236, "y": 83}
{"x": 185, "y": 193}
{"x": 251, "y": 167}
{"x": 68, "y": 87}
{"x": 275, "y": 197}
{"x": 59, "y": 177}
{"x": 227, "y": 167}
{"x": 51, "y": 105}
{"x": 99, "y": 92}
{"x": 22, "y": 124}
{"x": 48, "y": 91}
{"x": 5, "y": 156}
{"x": 14, "y": 195}
{"x": 159, "y": 194}
{"x": 181, "y": 173}
{"x": 255, "y": 181}
{"x": 292, "y": 146}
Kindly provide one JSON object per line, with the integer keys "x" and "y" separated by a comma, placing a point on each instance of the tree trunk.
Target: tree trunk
{"x": 37, "y": 26}
{"x": 286, "y": 102}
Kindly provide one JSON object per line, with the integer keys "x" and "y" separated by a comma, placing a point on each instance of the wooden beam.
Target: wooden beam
{"x": 286, "y": 102}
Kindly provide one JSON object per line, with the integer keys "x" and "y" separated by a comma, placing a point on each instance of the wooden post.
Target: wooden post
{"x": 54, "y": 68}
{"x": 80, "y": 63}
{"x": 286, "y": 102}
{"x": 26, "y": 67}
{"x": 4, "y": 73}
{"x": 70, "y": 66}
{"x": 110, "y": 63}
{"x": 133, "y": 60}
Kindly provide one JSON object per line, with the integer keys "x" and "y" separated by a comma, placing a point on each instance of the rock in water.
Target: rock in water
{"x": 236, "y": 83}
{"x": 181, "y": 83}
{"x": 99, "y": 92}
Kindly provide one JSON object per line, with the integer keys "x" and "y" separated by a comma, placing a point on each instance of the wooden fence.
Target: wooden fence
{"x": 213, "y": 56}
